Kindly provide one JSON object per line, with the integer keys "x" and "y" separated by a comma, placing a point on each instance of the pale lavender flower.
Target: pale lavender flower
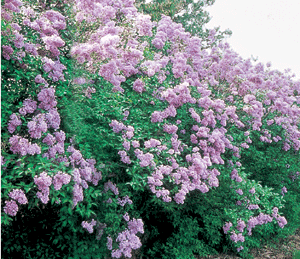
{"x": 283, "y": 190}
{"x": 11, "y": 208}
{"x": 18, "y": 195}
{"x": 77, "y": 194}
{"x": 252, "y": 190}
{"x": 29, "y": 106}
{"x": 239, "y": 191}
{"x": 226, "y": 227}
{"x": 240, "y": 248}
{"x": 241, "y": 225}
{"x": 13, "y": 123}
{"x": 59, "y": 179}
{"x": 89, "y": 226}
{"x": 109, "y": 243}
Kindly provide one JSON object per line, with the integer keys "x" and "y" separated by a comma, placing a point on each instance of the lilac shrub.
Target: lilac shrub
{"x": 37, "y": 149}
{"x": 181, "y": 120}
{"x": 223, "y": 94}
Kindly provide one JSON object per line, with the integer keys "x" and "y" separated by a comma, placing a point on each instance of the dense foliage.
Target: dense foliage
{"x": 124, "y": 136}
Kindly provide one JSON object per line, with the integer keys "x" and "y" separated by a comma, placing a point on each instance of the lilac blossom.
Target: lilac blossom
{"x": 125, "y": 200}
{"x": 47, "y": 98}
{"x": 29, "y": 106}
{"x": 59, "y": 179}
{"x": 227, "y": 226}
{"x": 11, "y": 208}
{"x": 13, "y": 123}
{"x": 89, "y": 226}
{"x": 18, "y": 195}
{"x": 43, "y": 182}
{"x": 111, "y": 186}
{"x": 77, "y": 194}
{"x": 139, "y": 86}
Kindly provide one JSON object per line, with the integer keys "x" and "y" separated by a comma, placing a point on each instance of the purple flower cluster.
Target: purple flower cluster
{"x": 77, "y": 194}
{"x": 29, "y": 106}
{"x": 43, "y": 182}
{"x": 13, "y": 123}
{"x": 241, "y": 225}
{"x": 124, "y": 157}
{"x": 128, "y": 240}
{"x": 253, "y": 207}
{"x": 37, "y": 125}
{"x": 227, "y": 226}
{"x": 11, "y": 208}
{"x": 59, "y": 179}
{"x": 283, "y": 190}
{"x": 239, "y": 191}
{"x": 47, "y": 98}
{"x": 144, "y": 25}
{"x": 117, "y": 126}
{"x": 179, "y": 95}
{"x": 7, "y": 51}
{"x": 111, "y": 186}
{"x": 125, "y": 200}
{"x": 54, "y": 68}
{"x": 89, "y": 226}
{"x": 22, "y": 146}
{"x": 280, "y": 220}
{"x": 152, "y": 143}
{"x": 258, "y": 220}
{"x": 18, "y": 195}
{"x": 139, "y": 86}
{"x": 237, "y": 237}
{"x": 145, "y": 159}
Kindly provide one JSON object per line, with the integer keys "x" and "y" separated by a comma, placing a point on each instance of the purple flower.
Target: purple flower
{"x": 59, "y": 179}
{"x": 139, "y": 86}
{"x": 7, "y": 51}
{"x": 77, "y": 194}
{"x": 11, "y": 208}
{"x": 253, "y": 207}
{"x": 237, "y": 237}
{"x": 53, "y": 118}
{"x": 252, "y": 190}
{"x": 239, "y": 191}
{"x": 43, "y": 182}
{"x": 89, "y": 226}
{"x": 240, "y": 248}
{"x": 125, "y": 200}
{"x": 283, "y": 190}
{"x": 47, "y": 98}
{"x": 117, "y": 126}
{"x": 226, "y": 227}
{"x": 34, "y": 149}
{"x": 152, "y": 143}
{"x": 18, "y": 195}
{"x": 241, "y": 225}
{"x": 13, "y": 123}
{"x": 109, "y": 243}
{"x": 126, "y": 145}
{"x": 135, "y": 143}
{"x": 281, "y": 221}
{"x": 49, "y": 140}
{"x": 111, "y": 186}
{"x": 29, "y": 106}
{"x": 19, "y": 145}
{"x": 37, "y": 125}
{"x": 126, "y": 216}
